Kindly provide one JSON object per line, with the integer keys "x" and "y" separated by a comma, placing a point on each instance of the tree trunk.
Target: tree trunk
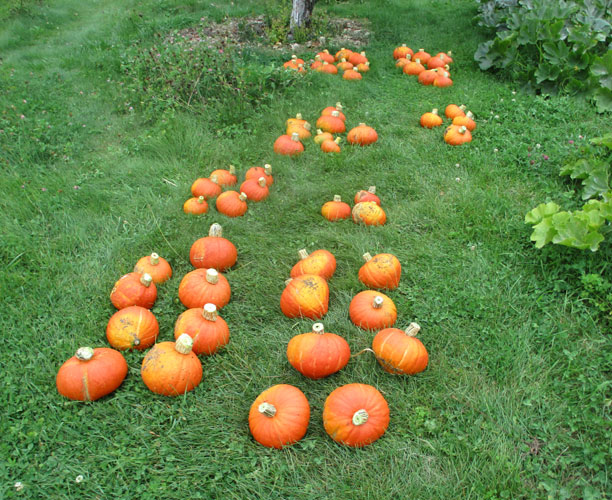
{"x": 301, "y": 13}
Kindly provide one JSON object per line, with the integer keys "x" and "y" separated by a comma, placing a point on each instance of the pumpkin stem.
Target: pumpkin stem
{"x": 417, "y": 60}
{"x": 462, "y": 129}
{"x": 307, "y": 126}
{"x": 212, "y": 276}
{"x": 146, "y": 279}
{"x": 318, "y": 328}
{"x": 154, "y": 259}
{"x": 261, "y": 181}
{"x": 337, "y": 140}
{"x": 372, "y": 189}
{"x": 232, "y": 169}
{"x": 434, "y": 111}
{"x": 319, "y": 131}
{"x": 367, "y": 349}
{"x": 462, "y": 107}
{"x": 377, "y": 303}
{"x": 267, "y": 409}
{"x": 298, "y": 116}
{"x": 408, "y": 57}
{"x": 214, "y": 178}
{"x": 84, "y": 353}
{"x": 216, "y": 231}
{"x": 201, "y": 199}
{"x": 360, "y": 417}
{"x": 288, "y": 281}
{"x": 362, "y": 124}
{"x": 335, "y": 114}
{"x": 413, "y": 329}
{"x": 367, "y": 257}
{"x": 470, "y": 115}
{"x": 183, "y": 344}
{"x": 268, "y": 168}
{"x": 339, "y": 106}
{"x": 295, "y": 137}
{"x": 243, "y": 196}
{"x": 209, "y": 312}
{"x": 337, "y": 197}
{"x": 303, "y": 253}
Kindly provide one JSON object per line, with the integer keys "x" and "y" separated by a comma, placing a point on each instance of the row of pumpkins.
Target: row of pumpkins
{"x": 462, "y": 125}
{"x": 430, "y": 70}
{"x": 351, "y": 64}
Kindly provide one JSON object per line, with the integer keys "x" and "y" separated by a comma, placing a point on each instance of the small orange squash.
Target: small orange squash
{"x": 362, "y": 135}
{"x": 399, "y": 351}
{"x": 327, "y": 68}
{"x": 363, "y": 67}
{"x": 225, "y": 177}
{"x": 213, "y": 251}
{"x": 369, "y": 213}
{"x": 255, "y": 189}
{"x": 336, "y": 209}
{"x": 207, "y": 187}
{"x": 452, "y": 110}
{"x": 329, "y": 146}
{"x": 156, "y": 266}
{"x": 330, "y": 109}
{"x": 134, "y": 289}
{"x": 305, "y": 296}
{"x": 431, "y": 120}
{"x": 401, "y": 51}
{"x": 331, "y": 123}
{"x": 288, "y": 145}
{"x": 202, "y": 286}
{"x": 322, "y": 137}
{"x": 443, "y": 79}
{"x": 456, "y": 135}
{"x": 324, "y": 55}
{"x": 343, "y": 53}
{"x": 414, "y": 67}
{"x": 257, "y": 172}
{"x": 422, "y": 55}
{"x": 132, "y": 327}
{"x": 372, "y": 310}
{"x": 357, "y": 58}
{"x": 467, "y": 120}
{"x": 383, "y": 271}
{"x": 351, "y": 74}
{"x": 232, "y": 203}
{"x": 344, "y": 65}
{"x": 369, "y": 195}
{"x": 208, "y": 330}
{"x": 320, "y": 262}
{"x": 195, "y": 206}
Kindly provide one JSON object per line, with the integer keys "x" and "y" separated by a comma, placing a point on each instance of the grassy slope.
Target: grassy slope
{"x": 513, "y": 355}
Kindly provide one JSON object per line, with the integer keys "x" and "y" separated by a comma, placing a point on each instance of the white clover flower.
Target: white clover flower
{"x": 79, "y": 478}
{"x": 18, "y": 486}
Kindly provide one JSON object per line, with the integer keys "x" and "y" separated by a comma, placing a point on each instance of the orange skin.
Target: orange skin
{"x": 224, "y": 177}
{"x": 331, "y": 124}
{"x": 350, "y": 74}
{"x": 364, "y": 315}
{"x": 336, "y": 210}
{"x": 129, "y": 291}
{"x": 363, "y": 195}
{"x": 306, "y": 296}
{"x": 284, "y": 145}
{"x": 430, "y": 120}
{"x": 330, "y": 147}
{"x": 228, "y": 203}
{"x": 362, "y": 135}
{"x": 205, "y": 187}
{"x": 400, "y": 52}
{"x": 465, "y": 120}
{"x": 369, "y": 213}
{"x": 254, "y": 191}
{"x": 195, "y": 206}
{"x": 208, "y": 336}
{"x": 399, "y": 353}
{"x": 383, "y": 272}
{"x": 257, "y": 172}
{"x": 133, "y": 327}
{"x": 454, "y": 137}
{"x": 170, "y": 373}
{"x": 320, "y": 262}
{"x": 213, "y": 251}
{"x": 452, "y": 110}
{"x": 160, "y": 272}
{"x": 195, "y": 291}
{"x": 317, "y": 355}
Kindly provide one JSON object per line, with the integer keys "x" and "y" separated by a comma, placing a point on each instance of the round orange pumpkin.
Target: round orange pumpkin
{"x": 320, "y": 262}
{"x": 362, "y": 135}
{"x": 431, "y": 120}
{"x": 369, "y": 195}
{"x": 383, "y": 271}
{"x": 289, "y": 145}
{"x": 355, "y": 415}
{"x": 413, "y": 68}
{"x": 331, "y": 123}
{"x": 206, "y": 187}
{"x": 156, "y": 266}
{"x": 225, "y": 177}
{"x": 399, "y": 351}
{"x": 330, "y": 109}
{"x": 306, "y": 296}
{"x": 202, "y": 286}
{"x": 467, "y": 121}
{"x": 401, "y": 51}
{"x": 321, "y": 137}
{"x": 336, "y": 209}
{"x": 255, "y": 189}
{"x": 132, "y": 327}
{"x": 372, "y": 310}
{"x": 134, "y": 289}
{"x": 351, "y": 74}
{"x": 195, "y": 206}
{"x": 232, "y": 203}
{"x": 422, "y": 55}
{"x": 329, "y": 146}
{"x": 369, "y": 213}
{"x": 213, "y": 251}
{"x": 456, "y": 135}
{"x": 257, "y": 172}
{"x": 452, "y": 110}
{"x": 208, "y": 330}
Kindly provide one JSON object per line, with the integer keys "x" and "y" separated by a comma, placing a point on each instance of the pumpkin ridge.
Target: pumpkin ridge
{"x": 85, "y": 382}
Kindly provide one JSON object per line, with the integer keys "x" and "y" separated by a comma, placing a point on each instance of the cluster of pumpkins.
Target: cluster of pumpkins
{"x": 351, "y": 64}
{"x": 331, "y": 121}
{"x": 256, "y": 187}
{"x": 430, "y": 70}
{"x": 461, "y": 128}
{"x": 367, "y": 209}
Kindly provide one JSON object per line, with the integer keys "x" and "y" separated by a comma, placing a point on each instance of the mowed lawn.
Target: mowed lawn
{"x": 515, "y": 401}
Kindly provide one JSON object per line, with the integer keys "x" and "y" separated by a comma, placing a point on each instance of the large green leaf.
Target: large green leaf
{"x": 556, "y": 53}
{"x": 579, "y": 169}
{"x": 596, "y": 183}
{"x": 543, "y": 233}
{"x": 604, "y": 140}
{"x": 576, "y": 230}
{"x": 603, "y": 100}
{"x": 540, "y": 212}
{"x": 602, "y": 70}
{"x": 547, "y": 71}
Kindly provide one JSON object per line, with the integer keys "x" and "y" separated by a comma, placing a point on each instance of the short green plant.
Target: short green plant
{"x": 551, "y": 45}
{"x": 597, "y": 292}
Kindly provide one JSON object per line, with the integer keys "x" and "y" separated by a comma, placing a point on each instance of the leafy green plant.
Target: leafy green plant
{"x": 597, "y": 292}
{"x": 562, "y": 45}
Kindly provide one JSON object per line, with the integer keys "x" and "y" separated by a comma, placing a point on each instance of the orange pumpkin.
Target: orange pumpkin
{"x": 225, "y": 177}
{"x": 372, "y": 310}
{"x": 428, "y": 76}
{"x": 357, "y": 58}
{"x": 306, "y": 296}
{"x": 320, "y": 262}
{"x": 331, "y": 146}
{"x": 157, "y": 267}
{"x": 134, "y": 289}
{"x": 452, "y": 110}
{"x": 431, "y": 120}
{"x": 343, "y": 53}
{"x": 279, "y": 416}
{"x": 422, "y": 55}
{"x": 402, "y": 61}
{"x": 467, "y": 121}
{"x": 208, "y": 330}
{"x": 132, "y": 327}
{"x": 401, "y": 51}
{"x": 363, "y": 67}
{"x": 321, "y": 137}
{"x": 288, "y": 145}
{"x": 344, "y": 65}
{"x": 91, "y": 374}
{"x": 232, "y": 203}
{"x": 355, "y": 415}
{"x": 172, "y": 368}
{"x": 456, "y": 135}
{"x": 336, "y": 209}
{"x": 330, "y": 109}
{"x": 383, "y": 271}
{"x": 369, "y": 213}
{"x": 399, "y": 351}
{"x": 257, "y": 172}
{"x": 303, "y": 131}
{"x": 446, "y": 57}
{"x": 369, "y": 195}
{"x": 213, "y": 250}
{"x": 255, "y": 189}
{"x": 206, "y": 187}
{"x": 435, "y": 62}
{"x": 362, "y": 135}
{"x": 414, "y": 67}
{"x": 443, "y": 80}
{"x": 298, "y": 120}
{"x": 331, "y": 123}
{"x": 330, "y": 69}
{"x": 318, "y": 354}
{"x": 351, "y": 74}
{"x": 324, "y": 55}
{"x": 195, "y": 206}
{"x": 202, "y": 286}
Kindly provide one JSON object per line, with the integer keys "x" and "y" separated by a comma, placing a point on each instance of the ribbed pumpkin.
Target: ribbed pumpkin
{"x": 344, "y": 65}
{"x": 372, "y": 310}
{"x": 431, "y": 120}
{"x": 255, "y": 189}
{"x": 446, "y": 57}
{"x": 134, "y": 289}
{"x": 435, "y": 62}
{"x": 443, "y": 79}
{"x": 202, "y": 286}
{"x": 351, "y": 74}
{"x": 298, "y": 120}
{"x": 306, "y": 296}
{"x": 452, "y": 110}
{"x": 213, "y": 251}
{"x": 132, "y": 327}
{"x": 330, "y": 109}
{"x": 303, "y": 131}
{"x": 362, "y": 135}
{"x": 206, "y": 187}
{"x": 318, "y": 354}
{"x": 422, "y": 55}
{"x": 322, "y": 137}
{"x": 91, "y": 374}
{"x": 428, "y": 76}
{"x": 225, "y": 177}
{"x": 414, "y": 67}
{"x": 324, "y": 55}
{"x": 331, "y": 123}
{"x": 257, "y": 172}
{"x": 320, "y": 262}
{"x": 363, "y": 67}
{"x": 402, "y": 61}
{"x": 399, "y": 351}
{"x": 369, "y": 195}
{"x": 330, "y": 69}
{"x": 232, "y": 203}
{"x": 467, "y": 121}
{"x": 330, "y": 146}
{"x": 401, "y": 51}
{"x": 208, "y": 330}
{"x": 336, "y": 209}
{"x": 288, "y": 145}
{"x": 316, "y": 63}
{"x": 456, "y": 135}
{"x": 158, "y": 268}
{"x": 355, "y": 415}
{"x": 357, "y": 58}
{"x": 172, "y": 368}
{"x": 279, "y": 416}
{"x": 343, "y": 53}
{"x": 383, "y": 271}
{"x": 369, "y": 213}
{"x": 195, "y": 206}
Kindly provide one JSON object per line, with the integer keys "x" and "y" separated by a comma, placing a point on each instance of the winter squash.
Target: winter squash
{"x": 225, "y": 177}
{"x": 343, "y": 65}
{"x": 132, "y": 327}
{"x": 257, "y": 172}
{"x": 355, "y": 415}
{"x": 232, "y": 203}
{"x": 279, "y": 416}
{"x": 329, "y": 146}
{"x": 298, "y": 120}
{"x": 414, "y": 67}
{"x": 336, "y": 209}
{"x": 399, "y": 351}
{"x": 446, "y": 57}
{"x": 363, "y": 67}
{"x": 324, "y": 55}
{"x": 369, "y": 213}
{"x": 172, "y": 368}
{"x": 213, "y": 251}
{"x": 288, "y": 145}
{"x": 156, "y": 266}
{"x": 401, "y": 51}
{"x": 255, "y": 189}
{"x": 402, "y": 61}
{"x": 330, "y": 69}
{"x": 195, "y": 206}
{"x": 383, "y": 271}
{"x": 343, "y": 54}
{"x": 134, "y": 289}
{"x": 330, "y": 109}
{"x": 303, "y": 131}
{"x": 208, "y": 330}
{"x": 422, "y": 55}
{"x": 320, "y": 262}
{"x": 209, "y": 188}
{"x": 351, "y": 74}
{"x": 443, "y": 79}
{"x": 202, "y": 286}
{"x": 322, "y": 137}
{"x": 452, "y": 110}
{"x": 467, "y": 120}
{"x": 316, "y": 63}
{"x": 372, "y": 310}
{"x": 369, "y": 195}
{"x": 435, "y": 62}
{"x": 431, "y": 120}
{"x": 456, "y": 135}
{"x": 357, "y": 58}
{"x": 291, "y": 63}
{"x": 91, "y": 374}
{"x": 362, "y": 135}
{"x": 306, "y": 296}
{"x": 331, "y": 123}
{"x": 428, "y": 76}
{"x": 318, "y": 353}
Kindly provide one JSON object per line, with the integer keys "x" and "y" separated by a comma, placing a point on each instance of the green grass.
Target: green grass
{"x": 515, "y": 402}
